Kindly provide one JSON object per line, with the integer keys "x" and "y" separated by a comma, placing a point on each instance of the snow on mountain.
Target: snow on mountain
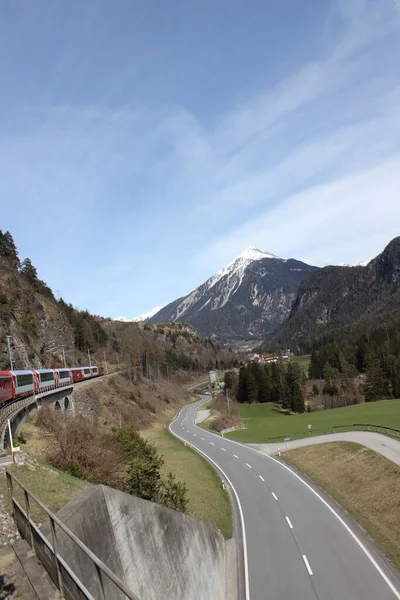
{"x": 360, "y": 263}
{"x": 251, "y": 294}
{"x": 139, "y": 318}
{"x": 239, "y": 265}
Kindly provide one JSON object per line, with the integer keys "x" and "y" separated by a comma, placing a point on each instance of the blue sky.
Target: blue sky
{"x": 143, "y": 145}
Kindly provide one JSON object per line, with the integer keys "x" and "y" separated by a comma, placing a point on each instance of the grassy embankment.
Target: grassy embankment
{"x": 53, "y": 487}
{"x": 303, "y": 361}
{"x": 208, "y": 501}
{"x": 263, "y": 421}
{"x": 364, "y": 483}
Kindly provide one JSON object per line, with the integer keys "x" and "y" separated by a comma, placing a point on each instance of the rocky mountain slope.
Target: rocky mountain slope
{"x": 244, "y": 301}
{"x": 42, "y": 329}
{"x": 334, "y": 297}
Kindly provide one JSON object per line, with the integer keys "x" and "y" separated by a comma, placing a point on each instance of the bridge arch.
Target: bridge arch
{"x": 57, "y": 405}
{"x": 67, "y": 404}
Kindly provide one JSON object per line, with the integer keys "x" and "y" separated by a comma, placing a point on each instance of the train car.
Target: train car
{"x": 101, "y": 371}
{"x": 95, "y": 371}
{"x": 76, "y": 374}
{"x": 63, "y": 376}
{"x": 87, "y": 374}
{"x": 45, "y": 379}
{"x": 24, "y": 383}
{"x": 7, "y": 391}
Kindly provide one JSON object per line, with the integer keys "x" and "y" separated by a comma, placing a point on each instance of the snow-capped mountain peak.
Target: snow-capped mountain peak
{"x": 239, "y": 265}
{"x": 250, "y": 295}
{"x": 142, "y": 317}
{"x": 252, "y": 253}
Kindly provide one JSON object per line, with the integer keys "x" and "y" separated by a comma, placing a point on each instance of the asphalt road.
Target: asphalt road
{"x": 388, "y": 447}
{"x": 294, "y": 545}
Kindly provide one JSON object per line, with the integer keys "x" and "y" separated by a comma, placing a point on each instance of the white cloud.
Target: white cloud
{"x": 323, "y": 222}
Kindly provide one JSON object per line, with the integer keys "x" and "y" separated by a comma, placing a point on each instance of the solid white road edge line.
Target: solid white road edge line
{"x": 289, "y": 522}
{"x": 307, "y": 564}
{"x": 333, "y": 511}
{"x": 339, "y": 518}
{"x": 274, "y": 495}
{"x": 246, "y": 566}
{"x": 236, "y": 456}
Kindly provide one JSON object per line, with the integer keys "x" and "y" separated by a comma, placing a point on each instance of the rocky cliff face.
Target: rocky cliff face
{"x": 334, "y": 297}
{"x": 246, "y": 300}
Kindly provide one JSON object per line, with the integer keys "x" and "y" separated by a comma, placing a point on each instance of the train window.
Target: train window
{"x": 46, "y": 376}
{"x": 5, "y": 383}
{"x": 63, "y": 374}
{"x": 86, "y": 371}
{"x": 24, "y": 380}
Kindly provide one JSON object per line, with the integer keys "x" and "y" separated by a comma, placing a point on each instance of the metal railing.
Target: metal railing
{"x": 395, "y": 433}
{"x": 67, "y": 582}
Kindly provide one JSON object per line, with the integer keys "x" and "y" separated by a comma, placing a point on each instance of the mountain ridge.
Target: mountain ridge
{"x": 338, "y": 296}
{"x": 251, "y": 294}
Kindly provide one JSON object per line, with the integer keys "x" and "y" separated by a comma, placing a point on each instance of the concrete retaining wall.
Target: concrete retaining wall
{"x": 156, "y": 551}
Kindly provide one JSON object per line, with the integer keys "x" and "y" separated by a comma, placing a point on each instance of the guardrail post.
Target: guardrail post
{"x": 54, "y": 540}
{"x": 11, "y": 490}
{"x": 100, "y": 582}
{"x": 28, "y": 514}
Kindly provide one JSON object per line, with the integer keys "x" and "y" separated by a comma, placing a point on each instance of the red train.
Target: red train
{"x": 18, "y": 384}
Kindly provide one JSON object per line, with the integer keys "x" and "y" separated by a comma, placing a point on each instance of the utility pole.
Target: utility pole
{"x": 10, "y": 352}
{"x": 90, "y": 360}
{"x": 65, "y": 363}
{"x": 105, "y": 362}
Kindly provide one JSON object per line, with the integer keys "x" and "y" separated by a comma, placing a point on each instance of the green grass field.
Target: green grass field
{"x": 208, "y": 501}
{"x": 303, "y": 361}
{"x": 262, "y": 422}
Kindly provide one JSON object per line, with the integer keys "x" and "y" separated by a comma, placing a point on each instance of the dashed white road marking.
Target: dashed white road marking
{"x": 261, "y": 477}
{"x": 212, "y": 443}
{"x": 202, "y": 439}
{"x": 289, "y": 522}
{"x": 248, "y": 465}
{"x": 223, "y": 449}
{"x": 236, "y": 456}
{"x": 307, "y": 564}
{"x": 274, "y": 495}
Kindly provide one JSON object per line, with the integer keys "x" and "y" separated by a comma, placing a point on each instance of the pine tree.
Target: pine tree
{"x": 242, "y": 386}
{"x": 264, "y": 389}
{"x": 252, "y": 388}
{"x": 376, "y": 385}
{"x": 29, "y": 272}
{"x": 8, "y": 249}
{"x": 293, "y": 381}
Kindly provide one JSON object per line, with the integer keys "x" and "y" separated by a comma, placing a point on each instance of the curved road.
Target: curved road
{"x": 292, "y": 542}
{"x": 382, "y": 444}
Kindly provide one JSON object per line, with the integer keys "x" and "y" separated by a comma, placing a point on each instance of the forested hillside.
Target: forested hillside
{"x": 334, "y": 297}
{"x": 277, "y": 382}
{"x": 348, "y": 318}
{"x": 43, "y": 330}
